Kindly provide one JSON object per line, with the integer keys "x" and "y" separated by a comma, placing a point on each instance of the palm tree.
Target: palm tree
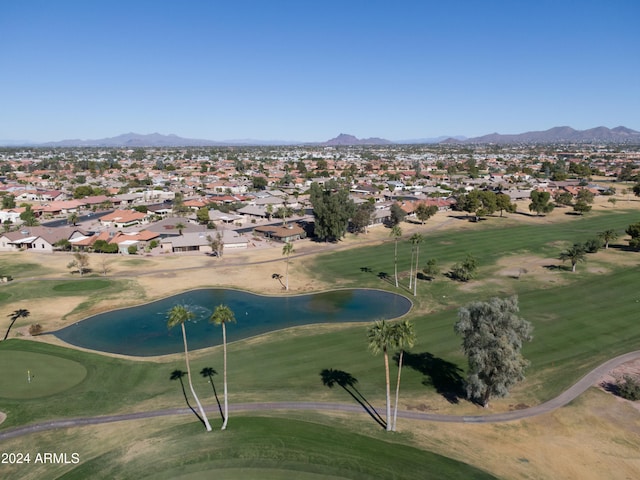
{"x": 73, "y": 218}
{"x": 178, "y": 315}
{"x": 20, "y": 313}
{"x": 608, "y": 236}
{"x": 208, "y": 372}
{"x": 575, "y": 254}
{"x": 221, "y": 316}
{"x": 404, "y": 336}
{"x": 287, "y": 250}
{"x": 180, "y": 226}
{"x": 396, "y": 233}
{"x": 416, "y": 239}
{"x": 381, "y": 339}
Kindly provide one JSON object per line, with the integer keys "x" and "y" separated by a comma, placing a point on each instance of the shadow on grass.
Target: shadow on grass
{"x": 331, "y": 377}
{"x": 177, "y": 375}
{"x": 442, "y": 375}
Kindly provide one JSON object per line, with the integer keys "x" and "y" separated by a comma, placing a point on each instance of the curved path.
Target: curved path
{"x": 564, "y": 398}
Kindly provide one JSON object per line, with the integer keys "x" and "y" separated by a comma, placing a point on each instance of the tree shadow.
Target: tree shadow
{"x": 208, "y": 372}
{"x": 384, "y": 276}
{"x": 366, "y": 270}
{"x": 559, "y": 268}
{"x": 444, "y": 376}
{"x": 331, "y": 377}
{"x": 177, "y": 375}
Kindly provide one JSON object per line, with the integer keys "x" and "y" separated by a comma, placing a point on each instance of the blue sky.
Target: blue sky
{"x": 308, "y": 70}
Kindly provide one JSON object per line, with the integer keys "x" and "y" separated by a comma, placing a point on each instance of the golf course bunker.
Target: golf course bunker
{"x": 28, "y": 375}
{"x": 142, "y": 330}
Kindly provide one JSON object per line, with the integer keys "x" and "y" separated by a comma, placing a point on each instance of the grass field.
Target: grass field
{"x": 580, "y": 319}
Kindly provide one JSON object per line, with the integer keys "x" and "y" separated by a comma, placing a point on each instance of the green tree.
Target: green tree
{"x": 563, "y": 198}
{"x": 362, "y": 216}
{"x": 332, "y": 209}
{"x": 382, "y": 338}
{"x": 28, "y": 217}
{"x": 492, "y": 337}
{"x": 72, "y": 218}
{"x": 178, "y": 315}
{"x": 217, "y": 244}
{"x": 202, "y": 215}
{"x": 287, "y": 250}
{"x": 633, "y": 231}
{"x": 503, "y": 203}
{"x": 405, "y": 336}
{"x": 636, "y": 189}
{"x": 259, "y": 183}
{"x": 397, "y": 214}
{"x": 424, "y": 212}
{"x": 608, "y": 236}
{"x": 465, "y": 270}
{"x": 576, "y": 253}
{"x": 581, "y": 207}
{"x": 540, "y": 202}
{"x": 8, "y": 201}
{"x": 396, "y": 233}
{"x": 221, "y": 316}
{"x": 431, "y": 269}
{"x": 15, "y": 315}
{"x": 180, "y": 226}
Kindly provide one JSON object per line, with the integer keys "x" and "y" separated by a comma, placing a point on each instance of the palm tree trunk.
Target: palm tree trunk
{"x": 286, "y": 275}
{"x": 9, "y": 329}
{"x": 193, "y": 392}
{"x": 415, "y": 280}
{"x": 386, "y": 372}
{"x": 224, "y": 376}
{"x": 411, "y": 270}
{"x": 395, "y": 405}
{"x": 395, "y": 261}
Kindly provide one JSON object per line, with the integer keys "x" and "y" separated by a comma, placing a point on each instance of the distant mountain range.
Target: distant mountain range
{"x": 559, "y": 135}
{"x": 553, "y": 135}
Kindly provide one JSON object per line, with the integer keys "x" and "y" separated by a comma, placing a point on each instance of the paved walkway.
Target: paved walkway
{"x": 564, "y": 398}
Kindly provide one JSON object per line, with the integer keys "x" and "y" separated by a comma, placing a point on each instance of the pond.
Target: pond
{"x": 142, "y": 330}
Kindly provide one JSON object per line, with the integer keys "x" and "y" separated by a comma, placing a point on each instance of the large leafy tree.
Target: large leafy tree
{"x": 362, "y": 217}
{"x": 633, "y": 231}
{"x": 397, "y": 214}
{"x": 424, "y": 212}
{"x": 492, "y": 338}
{"x": 405, "y": 336}
{"x": 178, "y": 315}
{"x": 15, "y": 315}
{"x": 503, "y": 203}
{"x": 540, "y": 202}
{"x": 221, "y": 316}
{"x": 396, "y": 233}
{"x": 381, "y": 336}
{"x": 576, "y": 253}
{"x": 332, "y": 209}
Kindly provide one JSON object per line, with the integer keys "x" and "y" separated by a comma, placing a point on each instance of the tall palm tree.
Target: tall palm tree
{"x": 208, "y": 372}
{"x": 416, "y": 239}
{"x": 178, "y": 315}
{"x": 404, "y": 336}
{"x": 221, "y": 316}
{"x": 574, "y": 254}
{"x": 381, "y": 338}
{"x": 396, "y": 233}
{"x": 20, "y": 313}
{"x": 287, "y": 250}
{"x": 180, "y": 226}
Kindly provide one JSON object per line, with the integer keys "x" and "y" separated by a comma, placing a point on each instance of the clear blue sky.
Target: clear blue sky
{"x": 307, "y": 70}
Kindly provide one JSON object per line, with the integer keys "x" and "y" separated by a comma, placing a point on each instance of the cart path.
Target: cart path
{"x": 563, "y": 399}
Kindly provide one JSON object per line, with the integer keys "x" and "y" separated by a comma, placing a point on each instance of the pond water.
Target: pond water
{"x": 142, "y": 330}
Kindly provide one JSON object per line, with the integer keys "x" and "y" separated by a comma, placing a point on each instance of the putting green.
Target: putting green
{"x": 32, "y": 375}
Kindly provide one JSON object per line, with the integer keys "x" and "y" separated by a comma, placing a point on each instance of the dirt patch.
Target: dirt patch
{"x": 3, "y": 417}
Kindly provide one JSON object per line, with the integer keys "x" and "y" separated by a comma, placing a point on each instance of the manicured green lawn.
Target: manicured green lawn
{"x": 255, "y": 447}
{"x": 81, "y": 286}
{"x": 28, "y": 375}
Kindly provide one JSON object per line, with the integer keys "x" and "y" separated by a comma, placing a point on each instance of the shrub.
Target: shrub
{"x": 629, "y": 387}
{"x": 593, "y": 245}
{"x": 35, "y": 329}
{"x": 132, "y": 249}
